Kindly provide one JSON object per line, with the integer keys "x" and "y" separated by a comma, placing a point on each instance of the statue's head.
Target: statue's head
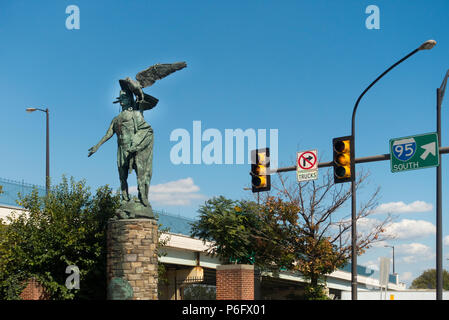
{"x": 126, "y": 99}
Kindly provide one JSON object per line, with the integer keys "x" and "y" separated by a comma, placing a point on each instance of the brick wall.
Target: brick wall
{"x": 235, "y": 282}
{"x": 33, "y": 291}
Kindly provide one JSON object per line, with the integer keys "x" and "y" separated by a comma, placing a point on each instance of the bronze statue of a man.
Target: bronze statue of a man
{"x": 135, "y": 139}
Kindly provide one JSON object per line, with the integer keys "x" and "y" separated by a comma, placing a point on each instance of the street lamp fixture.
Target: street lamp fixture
{"x": 47, "y": 161}
{"x": 429, "y": 44}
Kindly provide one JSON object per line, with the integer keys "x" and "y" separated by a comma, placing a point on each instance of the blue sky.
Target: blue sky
{"x": 297, "y": 67}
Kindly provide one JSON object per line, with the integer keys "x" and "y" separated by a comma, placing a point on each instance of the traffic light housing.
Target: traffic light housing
{"x": 260, "y": 170}
{"x": 343, "y": 159}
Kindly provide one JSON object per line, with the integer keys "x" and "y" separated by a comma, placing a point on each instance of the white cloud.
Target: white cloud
{"x": 406, "y": 276}
{"x": 174, "y": 193}
{"x": 371, "y": 265}
{"x": 408, "y": 229}
{"x": 401, "y": 207}
{"x": 414, "y": 252}
{"x": 366, "y": 225}
{"x": 446, "y": 241}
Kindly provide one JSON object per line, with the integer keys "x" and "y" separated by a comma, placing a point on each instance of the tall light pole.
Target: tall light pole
{"x": 387, "y": 246}
{"x": 429, "y": 44}
{"x": 47, "y": 160}
{"x": 439, "y": 217}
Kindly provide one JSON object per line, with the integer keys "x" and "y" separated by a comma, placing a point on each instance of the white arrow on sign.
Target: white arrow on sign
{"x": 429, "y": 148}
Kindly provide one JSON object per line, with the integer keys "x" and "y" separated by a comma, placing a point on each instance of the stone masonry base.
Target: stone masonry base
{"x": 132, "y": 262}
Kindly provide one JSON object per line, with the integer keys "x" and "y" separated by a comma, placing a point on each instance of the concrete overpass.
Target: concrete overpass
{"x": 187, "y": 262}
{"x": 183, "y": 252}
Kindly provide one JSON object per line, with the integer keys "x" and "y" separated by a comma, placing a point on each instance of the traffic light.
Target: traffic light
{"x": 343, "y": 159}
{"x": 260, "y": 170}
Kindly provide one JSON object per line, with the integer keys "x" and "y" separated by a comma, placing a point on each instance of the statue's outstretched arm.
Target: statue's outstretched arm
{"x": 106, "y": 137}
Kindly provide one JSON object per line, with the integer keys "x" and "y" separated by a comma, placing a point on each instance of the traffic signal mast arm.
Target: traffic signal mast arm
{"x": 380, "y": 157}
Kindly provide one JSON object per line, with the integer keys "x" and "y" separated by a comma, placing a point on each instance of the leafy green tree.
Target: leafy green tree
{"x": 66, "y": 227}
{"x": 428, "y": 280}
{"x": 237, "y": 233}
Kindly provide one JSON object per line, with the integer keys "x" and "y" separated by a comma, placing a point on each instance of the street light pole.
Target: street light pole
{"x": 387, "y": 246}
{"x": 439, "y": 218}
{"x": 425, "y": 46}
{"x": 47, "y": 151}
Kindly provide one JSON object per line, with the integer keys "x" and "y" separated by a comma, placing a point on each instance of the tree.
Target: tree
{"x": 318, "y": 246}
{"x": 292, "y": 230}
{"x": 428, "y": 280}
{"x": 237, "y": 233}
{"x": 66, "y": 227}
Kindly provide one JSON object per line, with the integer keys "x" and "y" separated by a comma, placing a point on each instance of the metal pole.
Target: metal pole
{"x": 439, "y": 215}
{"x": 394, "y": 272}
{"x": 353, "y": 182}
{"x": 47, "y": 160}
{"x": 353, "y": 220}
{"x": 379, "y": 157}
{"x": 439, "y": 244}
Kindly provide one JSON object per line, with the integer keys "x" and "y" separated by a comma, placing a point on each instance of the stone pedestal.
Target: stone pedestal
{"x": 132, "y": 263}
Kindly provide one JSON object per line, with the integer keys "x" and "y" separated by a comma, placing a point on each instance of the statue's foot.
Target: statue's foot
{"x": 120, "y": 214}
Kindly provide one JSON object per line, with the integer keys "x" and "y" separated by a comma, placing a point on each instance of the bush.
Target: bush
{"x": 66, "y": 227}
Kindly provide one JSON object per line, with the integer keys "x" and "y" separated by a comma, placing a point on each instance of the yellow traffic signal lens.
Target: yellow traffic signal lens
{"x": 261, "y": 170}
{"x": 263, "y": 181}
{"x": 343, "y": 159}
{"x": 343, "y": 172}
{"x": 342, "y": 146}
{"x": 259, "y": 182}
{"x": 262, "y": 158}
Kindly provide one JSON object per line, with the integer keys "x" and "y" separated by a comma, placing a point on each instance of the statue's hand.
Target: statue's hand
{"x": 92, "y": 150}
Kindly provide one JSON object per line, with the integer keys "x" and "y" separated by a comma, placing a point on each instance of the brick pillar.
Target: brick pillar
{"x": 34, "y": 291}
{"x": 235, "y": 282}
{"x": 132, "y": 263}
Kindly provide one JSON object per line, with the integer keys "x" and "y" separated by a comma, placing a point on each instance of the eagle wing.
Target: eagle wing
{"x": 149, "y": 76}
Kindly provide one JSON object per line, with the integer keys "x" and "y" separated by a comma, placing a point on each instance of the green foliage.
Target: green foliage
{"x": 199, "y": 292}
{"x": 239, "y": 233}
{"x": 315, "y": 292}
{"x": 222, "y": 222}
{"x": 162, "y": 270}
{"x": 428, "y": 280}
{"x": 65, "y": 227}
